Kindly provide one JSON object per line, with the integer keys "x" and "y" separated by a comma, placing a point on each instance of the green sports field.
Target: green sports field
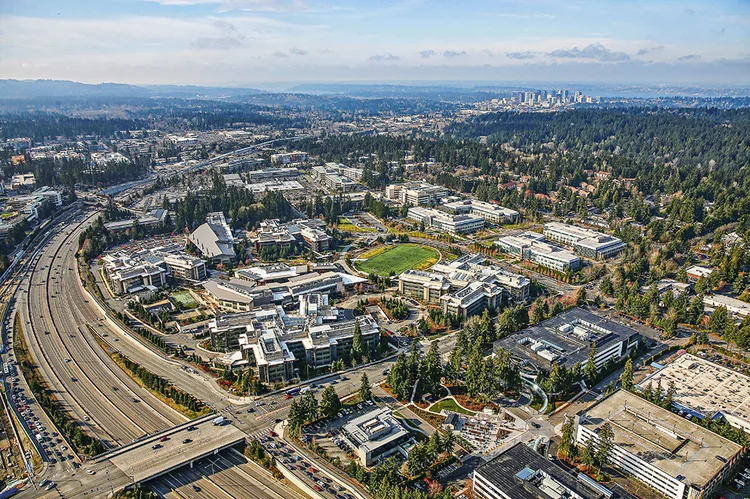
{"x": 399, "y": 258}
{"x": 185, "y": 299}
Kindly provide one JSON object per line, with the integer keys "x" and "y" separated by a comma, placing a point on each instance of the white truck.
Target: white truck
{"x": 219, "y": 421}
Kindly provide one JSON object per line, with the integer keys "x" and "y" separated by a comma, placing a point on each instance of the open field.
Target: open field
{"x": 397, "y": 259}
{"x": 184, "y": 298}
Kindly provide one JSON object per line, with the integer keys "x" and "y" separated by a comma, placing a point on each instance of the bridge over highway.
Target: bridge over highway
{"x": 163, "y": 452}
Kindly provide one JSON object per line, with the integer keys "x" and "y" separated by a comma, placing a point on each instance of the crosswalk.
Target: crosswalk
{"x": 260, "y": 433}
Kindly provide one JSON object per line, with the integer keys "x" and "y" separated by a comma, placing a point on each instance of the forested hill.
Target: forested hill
{"x": 690, "y": 136}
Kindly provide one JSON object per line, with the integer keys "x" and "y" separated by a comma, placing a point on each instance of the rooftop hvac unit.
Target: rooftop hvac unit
{"x": 547, "y": 355}
{"x": 566, "y": 328}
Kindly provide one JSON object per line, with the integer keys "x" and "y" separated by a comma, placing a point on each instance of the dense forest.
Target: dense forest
{"x": 139, "y": 114}
{"x": 243, "y": 209}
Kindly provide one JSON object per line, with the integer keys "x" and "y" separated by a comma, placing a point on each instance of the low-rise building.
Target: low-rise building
{"x": 128, "y": 273}
{"x": 286, "y": 158}
{"x": 695, "y": 272}
{"x": 375, "y": 435}
{"x": 586, "y": 242}
{"x": 444, "y": 222}
{"x": 473, "y": 299}
{"x": 23, "y": 181}
{"x": 672, "y": 455}
{"x": 521, "y": 473}
{"x": 568, "y": 338}
{"x": 214, "y": 239}
{"x": 425, "y": 286}
{"x": 275, "y": 342}
{"x": 332, "y": 179}
{"x": 271, "y": 174}
{"x": 530, "y": 246}
{"x": 416, "y": 193}
{"x": 735, "y": 307}
{"x": 492, "y": 213}
{"x": 704, "y": 389}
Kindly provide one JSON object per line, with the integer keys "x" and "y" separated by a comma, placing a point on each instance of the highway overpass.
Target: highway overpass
{"x": 163, "y": 452}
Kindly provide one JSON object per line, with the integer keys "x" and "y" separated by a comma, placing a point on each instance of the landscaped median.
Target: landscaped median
{"x": 392, "y": 260}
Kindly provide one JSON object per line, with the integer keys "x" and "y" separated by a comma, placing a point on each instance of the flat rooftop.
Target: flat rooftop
{"x": 706, "y": 388}
{"x": 661, "y": 438}
{"x": 519, "y": 473}
{"x": 567, "y": 337}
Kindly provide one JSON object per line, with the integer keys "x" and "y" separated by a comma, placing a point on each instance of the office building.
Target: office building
{"x": 444, "y": 222}
{"x": 416, "y": 193}
{"x": 286, "y": 158}
{"x": 23, "y": 181}
{"x": 375, "y": 435}
{"x": 735, "y": 307}
{"x": 473, "y": 299}
{"x": 521, "y": 473}
{"x": 275, "y": 342}
{"x": 332, "y": 179}
{"x": 134, "y": 278}
{"x": 491, "y": 213}
{"x": 473, "y": 267}
{"x": 568, "y": 337}
{"x": 530, "y": 246}
{"x": 705, "y": 390}
{"x": 214, "y": 239}
{"x": 586, "y": 242}
{"x": 271, "y": 174}
{"x": 129, "y": 273}
{"x": 675, "y": 457}
{"x": 425, "y": 286}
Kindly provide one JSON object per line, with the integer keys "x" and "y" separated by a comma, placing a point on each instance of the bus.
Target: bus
{"x": 293, "y": 391}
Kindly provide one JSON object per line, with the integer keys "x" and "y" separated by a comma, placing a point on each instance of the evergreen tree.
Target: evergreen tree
{"x": 365, "y": 392}
{"x": 590, "y": 370}
{"x": 626, "y": 378}
{"x": 330, "y": 404}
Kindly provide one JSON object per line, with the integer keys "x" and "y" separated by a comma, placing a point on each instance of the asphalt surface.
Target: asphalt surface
{"x": 92, "y": 388}
{"x": 61, "y": 320}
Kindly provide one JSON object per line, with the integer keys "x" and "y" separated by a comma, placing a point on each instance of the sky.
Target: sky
{"x": 257, "y": 42}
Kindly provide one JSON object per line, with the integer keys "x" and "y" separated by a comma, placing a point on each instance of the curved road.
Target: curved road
{"x": 90, "y": 385}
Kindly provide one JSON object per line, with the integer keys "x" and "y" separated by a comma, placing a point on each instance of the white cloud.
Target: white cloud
{"x": 247, "y": 5}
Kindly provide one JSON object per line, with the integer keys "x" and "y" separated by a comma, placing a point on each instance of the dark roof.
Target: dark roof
{"x": 574, "y": 349}
{"x": 504, "y": 470}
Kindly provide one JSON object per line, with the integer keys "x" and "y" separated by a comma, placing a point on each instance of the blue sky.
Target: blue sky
{"x": 247, "y": 42}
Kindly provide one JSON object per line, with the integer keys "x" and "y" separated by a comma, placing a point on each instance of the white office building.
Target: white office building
{"x": 444, "y": 222}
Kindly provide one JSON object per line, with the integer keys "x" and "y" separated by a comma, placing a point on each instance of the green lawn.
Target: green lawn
{"x": 344, "y": 224}
{"x": 450, "y": 405}
{"x": 185, "y": 299}
{"x": 399, "y": 258}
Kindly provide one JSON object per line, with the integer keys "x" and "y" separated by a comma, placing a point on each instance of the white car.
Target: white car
{"x": 90, "y": 472}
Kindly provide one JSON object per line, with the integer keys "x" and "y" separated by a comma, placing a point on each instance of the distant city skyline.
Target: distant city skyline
{"x": 255, "y": 42}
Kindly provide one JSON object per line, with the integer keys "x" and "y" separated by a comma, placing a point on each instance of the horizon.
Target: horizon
{"x": 264, "y": 42}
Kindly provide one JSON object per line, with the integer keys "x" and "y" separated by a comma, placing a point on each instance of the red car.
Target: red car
{"x": 317, "y": 489}
{"x": 273, "y": 433}
{"x": 312, "y": 470}
{"x": 287, "y": 396}
{"x": 164, "y": 438}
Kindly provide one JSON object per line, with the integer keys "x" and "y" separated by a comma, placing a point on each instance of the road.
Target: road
{"x": 224, "y": 476}
{"x": 62, "y": 323}
{"x": 89, "y": 384}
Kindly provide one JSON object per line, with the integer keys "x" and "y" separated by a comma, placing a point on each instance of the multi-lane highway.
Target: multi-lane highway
{"x": 64, "y": 325}
{"x": 92, "y": 388}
